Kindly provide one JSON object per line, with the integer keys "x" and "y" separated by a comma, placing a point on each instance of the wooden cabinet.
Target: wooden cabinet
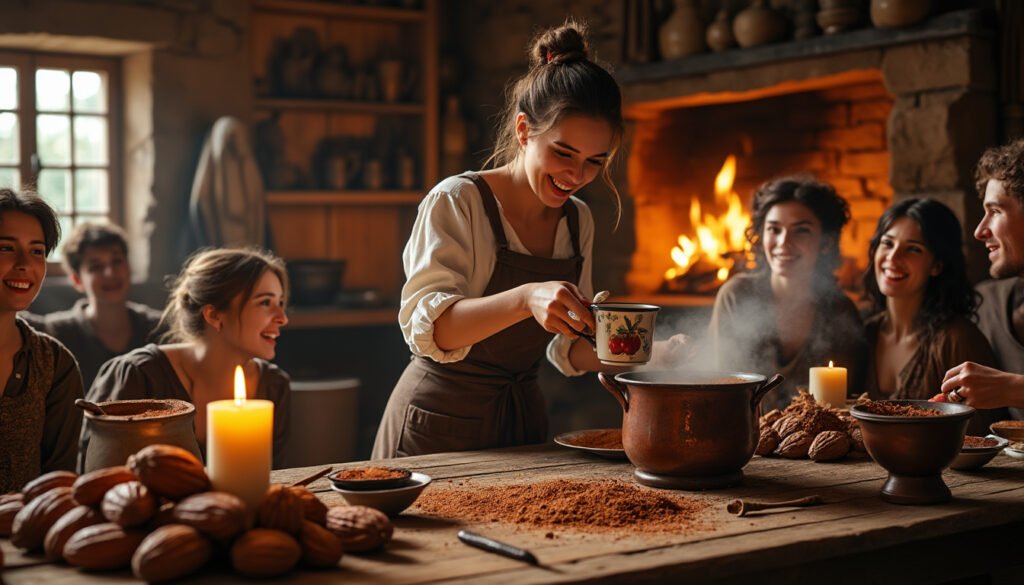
{"x": 346, "y": 128}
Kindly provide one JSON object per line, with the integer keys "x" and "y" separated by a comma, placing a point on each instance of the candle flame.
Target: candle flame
{"x": 239, "y": 386}
{"x": 830, "y": 363}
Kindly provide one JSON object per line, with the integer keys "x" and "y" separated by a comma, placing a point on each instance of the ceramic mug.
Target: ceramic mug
{"x": 625, "y": 332}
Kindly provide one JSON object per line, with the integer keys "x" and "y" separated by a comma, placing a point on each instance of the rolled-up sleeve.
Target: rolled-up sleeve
{"x": 438, "y": 260}
{"x": 560, "y": 346}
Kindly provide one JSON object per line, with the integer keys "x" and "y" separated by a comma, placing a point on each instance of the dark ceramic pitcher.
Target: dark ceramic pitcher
{"x": 689, "y": 431}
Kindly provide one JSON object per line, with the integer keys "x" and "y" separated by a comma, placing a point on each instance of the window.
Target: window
{"x": 57, "y": 132}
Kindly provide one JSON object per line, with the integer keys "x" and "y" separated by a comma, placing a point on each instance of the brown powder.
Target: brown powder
{"x": 602, "y": 439}
{"x": 979, "y": 442}
{"x": 1009, "y": 424}
{"x": 365, "y": 473}
{"x": 584, "y": 506}
{"x": 893, "y": 409}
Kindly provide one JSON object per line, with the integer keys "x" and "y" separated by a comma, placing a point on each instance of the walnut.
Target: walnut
{"x": 856, "y": 440}
{"x": 90, "y": 488}
{"x": 34, "y": 520}
{"x": 361, "y": 529}
{"x": 313, "y": 508}
{"x": 171, "y": 553}
{"x": 74, "y": 520}
{"x": 321, "y": 548}
{"x": 768, "y": 442}
{"x": 103, "y": 547}
{"x": 262, "y": 553}
{"x": 829, "y": 446}
{"x": 171, "y": 472}
{"x": 771, "y": 416}
{"x": 282, "y": 510}
{"x": 788, "y": 425}
{"x": 219, "y": 515}
{"x": 795, "y": 446}
{"x": 47, "y": 482}
{"x": 129, "y": 504}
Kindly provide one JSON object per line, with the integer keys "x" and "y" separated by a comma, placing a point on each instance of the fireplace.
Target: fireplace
{"x": 881, "y": 115}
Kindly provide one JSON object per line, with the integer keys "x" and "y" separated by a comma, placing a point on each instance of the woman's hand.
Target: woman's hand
{"x": 984, "y": 387}
{"x": 559, "y": 307}
{"x": 672, "y": 352}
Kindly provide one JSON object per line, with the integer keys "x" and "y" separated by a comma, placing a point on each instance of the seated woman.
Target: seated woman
{"x": 226, "y": 309}
{"x": 39, "y": 379}
{"x": 917, "y": 284}
{"x": 789, "y": 314}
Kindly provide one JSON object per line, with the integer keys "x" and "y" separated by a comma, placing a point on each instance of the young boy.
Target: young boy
{"x": 104, "y": 324}
{"x": 39, "y": 380}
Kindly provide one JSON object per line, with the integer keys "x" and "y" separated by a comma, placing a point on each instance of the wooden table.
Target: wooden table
{"x": 855, "y": 538}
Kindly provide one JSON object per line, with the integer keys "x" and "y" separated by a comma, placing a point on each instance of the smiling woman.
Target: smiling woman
{"x": 39, "y": 380}
{"x": 226, "y": 309}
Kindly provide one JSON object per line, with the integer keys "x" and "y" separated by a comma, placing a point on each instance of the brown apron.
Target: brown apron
{"x": 491, "y": 398}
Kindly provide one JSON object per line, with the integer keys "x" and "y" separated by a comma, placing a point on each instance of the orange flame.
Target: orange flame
{"x": 239, "y": 386}
{"x": 714, "y": 236}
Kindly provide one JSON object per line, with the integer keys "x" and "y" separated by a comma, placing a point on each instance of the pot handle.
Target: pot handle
{"x": 764, "y": 388}
{"x": 617, "y": 389}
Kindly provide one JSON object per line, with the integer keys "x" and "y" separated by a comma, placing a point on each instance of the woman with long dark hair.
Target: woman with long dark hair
{"x": 924, "y": 304}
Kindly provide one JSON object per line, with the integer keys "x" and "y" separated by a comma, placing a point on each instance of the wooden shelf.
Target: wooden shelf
{"x": 344, "y": 197}
{"x": 318, "y": 318}
{"x": 335, "y": 9}
{"x": 329, "y": 105}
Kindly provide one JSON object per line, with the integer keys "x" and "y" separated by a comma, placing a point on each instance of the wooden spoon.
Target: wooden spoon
{"x": 89, "y": 406}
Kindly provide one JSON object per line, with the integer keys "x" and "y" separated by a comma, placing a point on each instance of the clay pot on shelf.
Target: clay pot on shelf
{"x": 899, "y": 13}
{"x": 758, "y": 25}
{"x": 838, "y": 16}
{"x": 719, "y": 34}
{"x": 683, "y": 33}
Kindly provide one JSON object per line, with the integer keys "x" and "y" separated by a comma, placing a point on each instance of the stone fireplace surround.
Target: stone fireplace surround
{"x": 881, "y": 114}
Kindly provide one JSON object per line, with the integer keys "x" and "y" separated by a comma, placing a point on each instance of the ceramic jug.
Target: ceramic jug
{"x": 898, "y": 13}
{"x": 683, "y": 33}
{"x": 130, "y": 425}
{"x": 758, "y": 25}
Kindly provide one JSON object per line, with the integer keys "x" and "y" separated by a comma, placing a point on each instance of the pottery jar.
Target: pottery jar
{"x": 758, "y": 25}
{"x": 683, "y": 33}
{"x": 719, "y": 34}
{"x": 129, "y": 425}
{"x": 899, "y": 13}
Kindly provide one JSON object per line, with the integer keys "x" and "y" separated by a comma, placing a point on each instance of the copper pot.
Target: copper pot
{"x": 689, "y": 430}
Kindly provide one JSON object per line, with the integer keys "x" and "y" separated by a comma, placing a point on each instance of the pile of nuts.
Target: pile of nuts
{"x": 808, "y": 429}
{"x": 158, "y": 516}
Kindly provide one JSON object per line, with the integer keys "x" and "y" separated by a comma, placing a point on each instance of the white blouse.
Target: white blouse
{"x": 451, "y": 255}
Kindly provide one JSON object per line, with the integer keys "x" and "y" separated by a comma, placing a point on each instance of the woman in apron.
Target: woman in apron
{"x": 499, "y": 265}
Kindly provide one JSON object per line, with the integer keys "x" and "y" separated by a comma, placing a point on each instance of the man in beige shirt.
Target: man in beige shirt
{"x": 1000, "y": 180}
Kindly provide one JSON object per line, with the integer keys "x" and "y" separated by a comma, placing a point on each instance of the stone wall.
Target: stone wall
{"x": 184, "y": 64}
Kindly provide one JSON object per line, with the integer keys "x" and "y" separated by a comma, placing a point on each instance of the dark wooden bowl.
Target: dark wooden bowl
{"x": 339, "y": 481}
{"x": 915, "y": 449}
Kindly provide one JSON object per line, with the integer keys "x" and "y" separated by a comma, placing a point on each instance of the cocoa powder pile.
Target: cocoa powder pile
{"x": 603, "y": 439}
{"x": 364, "y": 473}
{"x": 583, "y": 506}
{"x": 894, "y": 409}
{"x": 978, "y": 442}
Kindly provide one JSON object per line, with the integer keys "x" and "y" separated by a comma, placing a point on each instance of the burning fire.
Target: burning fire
{"x": 719, "y": 240}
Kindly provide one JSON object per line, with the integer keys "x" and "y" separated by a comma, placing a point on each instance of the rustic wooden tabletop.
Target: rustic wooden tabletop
{"x": 854, "y": 537}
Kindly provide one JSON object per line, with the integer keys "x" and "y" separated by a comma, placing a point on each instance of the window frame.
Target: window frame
{"x": 27, "y": 63}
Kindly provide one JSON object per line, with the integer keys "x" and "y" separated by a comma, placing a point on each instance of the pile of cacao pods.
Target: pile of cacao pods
{"x": 157, "y": 515}
{"x": 806, "y": 429}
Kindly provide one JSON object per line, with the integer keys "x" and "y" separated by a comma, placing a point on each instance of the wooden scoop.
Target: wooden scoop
{"x": 89, "y": 406}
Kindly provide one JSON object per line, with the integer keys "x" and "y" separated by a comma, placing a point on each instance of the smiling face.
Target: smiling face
{"x": 1002, "y": 231}
{"x": 792, "y": 240}
{"x": 565, "y": 158}
{"x": 903, "y": 263}
{"x": 253, "y": 326}
{"x": 104, "y": 275}
{"x": 22, "y": 260}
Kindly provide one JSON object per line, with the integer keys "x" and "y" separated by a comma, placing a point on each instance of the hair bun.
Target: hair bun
{"x": 563, "y": 44}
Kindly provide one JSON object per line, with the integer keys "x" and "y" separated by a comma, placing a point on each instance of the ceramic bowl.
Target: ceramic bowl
{"x": 339, "y": 480}
{"x": 973, "y": 458}
{"x": 1008, "y": 429}
{"x": 914, "y": 449}
{"x": 390, "y": 501}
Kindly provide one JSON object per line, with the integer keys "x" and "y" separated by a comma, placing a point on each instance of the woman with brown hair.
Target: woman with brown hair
{"x": 226, "y": 309}
{"x": 789, "y": 314}
{"x": 39, "y": 379}
{"x": 498, "y": 265}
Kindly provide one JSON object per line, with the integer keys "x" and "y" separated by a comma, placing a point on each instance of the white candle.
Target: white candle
{"x": 239, "y": 444}
{"x": 828, "y": 386}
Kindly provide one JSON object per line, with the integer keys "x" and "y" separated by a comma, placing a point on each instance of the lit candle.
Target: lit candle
{"x": 828, "y": 386}
{"x": 239, "y": 444}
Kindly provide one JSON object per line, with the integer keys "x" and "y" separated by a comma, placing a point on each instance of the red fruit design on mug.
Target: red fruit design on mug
{"x": 627, "y": 339}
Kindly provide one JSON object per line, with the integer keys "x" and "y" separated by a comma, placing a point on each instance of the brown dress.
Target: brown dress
{"x": 491, "y": 398}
